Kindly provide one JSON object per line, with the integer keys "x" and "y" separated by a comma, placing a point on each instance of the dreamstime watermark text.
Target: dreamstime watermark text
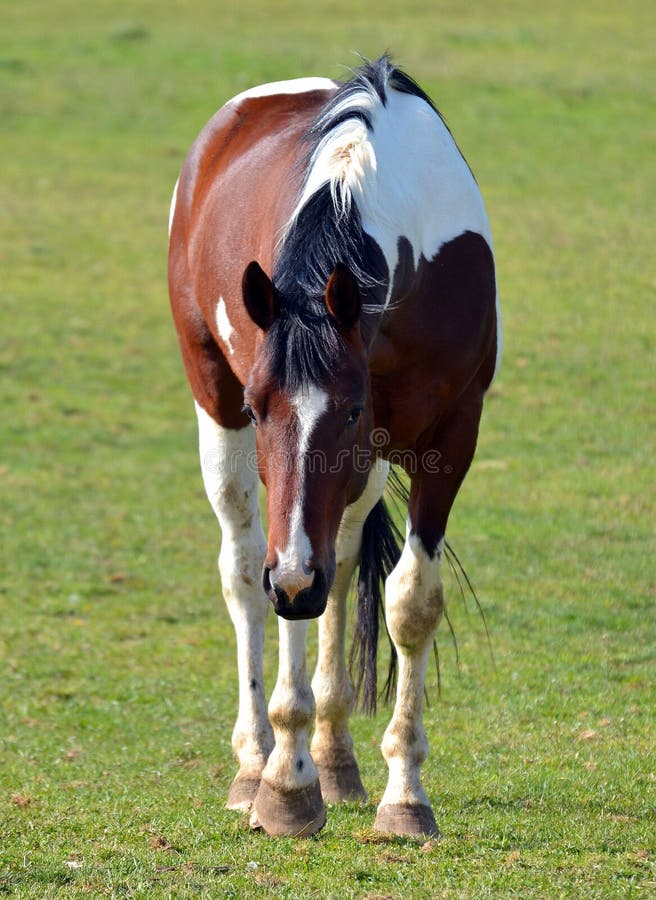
{"x": 359, "y": 459}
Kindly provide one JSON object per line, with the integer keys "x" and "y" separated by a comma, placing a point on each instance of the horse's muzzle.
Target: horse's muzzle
{"x": 308, "y": 603}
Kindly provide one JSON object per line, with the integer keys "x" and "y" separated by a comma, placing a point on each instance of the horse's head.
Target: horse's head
{"x": 308, "y": 397}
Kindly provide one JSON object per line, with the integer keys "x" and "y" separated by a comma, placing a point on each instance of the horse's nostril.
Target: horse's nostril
{"x": 319, "y": 581}
{"x": 266, "y": 579}
{"x": 308, "y": 568}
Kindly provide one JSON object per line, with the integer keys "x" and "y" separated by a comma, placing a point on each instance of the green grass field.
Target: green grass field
{"x": 118, "y": 680}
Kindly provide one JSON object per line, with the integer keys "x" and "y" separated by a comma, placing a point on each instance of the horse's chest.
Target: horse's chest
{"x": 406, "y": 404}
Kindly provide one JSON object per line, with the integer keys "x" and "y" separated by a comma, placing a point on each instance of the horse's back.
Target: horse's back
{"x": 235, "y": 192}
{"x": 246, "y": 162}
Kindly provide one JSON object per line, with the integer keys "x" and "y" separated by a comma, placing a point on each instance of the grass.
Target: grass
{"x": 117, "y": 655}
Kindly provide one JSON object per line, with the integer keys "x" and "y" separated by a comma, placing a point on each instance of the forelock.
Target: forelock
{"x": 303, "y": 349}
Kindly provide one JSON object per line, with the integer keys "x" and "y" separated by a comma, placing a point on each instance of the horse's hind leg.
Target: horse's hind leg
{"x": 413, "y": 609}
{"x": 231, "y": 482}
{"x": 332, "y": 746}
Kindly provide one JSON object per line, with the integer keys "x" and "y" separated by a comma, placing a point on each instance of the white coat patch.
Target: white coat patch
{"x": 172, "y": 207}
{"x": 406, "y": 176}
{"x": 294, "y": 86}
{"x": 224, "y": 325}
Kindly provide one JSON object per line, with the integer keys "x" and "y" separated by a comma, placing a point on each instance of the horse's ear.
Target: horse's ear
{"x": 343, "y": 297}
{"x": 259, "y": 296}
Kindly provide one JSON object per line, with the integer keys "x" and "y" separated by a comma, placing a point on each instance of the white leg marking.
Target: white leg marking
{"x": 292, "y": 573}
{"x": 232, "y": 489}
{"x": 291, "y": 709}
{"x": 224, "y": 326}
{"x": 413, "y": 601}
{"x": 332, "y": 744}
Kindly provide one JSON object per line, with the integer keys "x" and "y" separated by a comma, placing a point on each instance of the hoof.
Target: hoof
{"x": 242, "y": 793}
{"x": 404, "y": 819}
{"x": 341, "y": 784}
{"x": 297, "y": 813}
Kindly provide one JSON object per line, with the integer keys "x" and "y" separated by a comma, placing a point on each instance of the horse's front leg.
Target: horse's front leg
{"x": 288, "y": 801}
{"x": 332, "y": 745}
{"x": 232, "y": 489}
{"x": 413, "y": 609}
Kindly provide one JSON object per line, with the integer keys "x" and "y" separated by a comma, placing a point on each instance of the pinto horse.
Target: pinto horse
{"x": 333, "y": 288}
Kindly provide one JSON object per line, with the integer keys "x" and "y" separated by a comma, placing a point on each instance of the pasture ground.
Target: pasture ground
{"x": 116, "y": 652}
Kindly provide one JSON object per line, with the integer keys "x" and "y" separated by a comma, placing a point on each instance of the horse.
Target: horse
{"x": 332, "y": 283}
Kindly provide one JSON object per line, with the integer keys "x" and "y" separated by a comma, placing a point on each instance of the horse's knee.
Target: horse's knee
{"x": 334, "y": 702}
{"x": 413, "y": 596}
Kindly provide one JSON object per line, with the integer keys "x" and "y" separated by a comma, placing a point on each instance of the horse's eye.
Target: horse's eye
{"x": 249, "y": 412}
{"x": 353, "y": 415}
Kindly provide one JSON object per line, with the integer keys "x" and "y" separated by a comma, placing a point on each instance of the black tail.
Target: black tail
{"x": 381, "y": 541}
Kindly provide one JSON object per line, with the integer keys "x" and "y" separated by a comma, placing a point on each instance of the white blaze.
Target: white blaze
{"x": 310, "y": 403}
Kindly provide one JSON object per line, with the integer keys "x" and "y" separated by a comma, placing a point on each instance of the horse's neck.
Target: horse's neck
{"x": 383, "y": 356}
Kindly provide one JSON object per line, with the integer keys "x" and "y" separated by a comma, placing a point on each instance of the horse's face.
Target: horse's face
{"x": 312, "y": 442}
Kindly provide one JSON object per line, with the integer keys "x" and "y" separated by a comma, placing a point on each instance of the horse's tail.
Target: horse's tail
{"x": 381, "y": 542}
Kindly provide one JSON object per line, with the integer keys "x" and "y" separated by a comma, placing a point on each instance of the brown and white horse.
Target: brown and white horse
{"x": 333, "y": 288}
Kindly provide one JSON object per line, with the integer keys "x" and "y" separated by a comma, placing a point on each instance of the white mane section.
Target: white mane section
{"x": 344, "y": 158}
{"x": 405, "y": 175}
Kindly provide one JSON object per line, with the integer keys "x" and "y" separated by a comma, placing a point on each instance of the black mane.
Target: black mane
{"x": 304, "y": 342}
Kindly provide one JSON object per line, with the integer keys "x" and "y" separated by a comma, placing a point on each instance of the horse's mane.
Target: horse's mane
{"x": 326, "y": 227}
